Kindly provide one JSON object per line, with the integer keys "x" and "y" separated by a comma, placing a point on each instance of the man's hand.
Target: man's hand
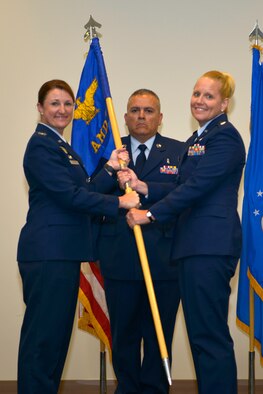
{"x": 127, "y": 175}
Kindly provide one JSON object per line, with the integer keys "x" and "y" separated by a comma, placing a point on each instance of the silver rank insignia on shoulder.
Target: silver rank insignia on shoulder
{"x": 41, "y": 133}
{"x": 196, "y": 150}
{"x": 222, "y": 123}
{"x": 158, "y": 145}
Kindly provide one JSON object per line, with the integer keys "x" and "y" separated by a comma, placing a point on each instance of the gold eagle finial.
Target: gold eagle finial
{"x": 86, "y": 110}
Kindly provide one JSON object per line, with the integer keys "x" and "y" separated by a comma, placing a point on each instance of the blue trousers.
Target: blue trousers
{"x": 133, "y": 330}
{"x": 50, "y": 291}
{"x": 205, "y": 290}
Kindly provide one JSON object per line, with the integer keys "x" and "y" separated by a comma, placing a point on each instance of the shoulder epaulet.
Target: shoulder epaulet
{"x": 42, "y": 133}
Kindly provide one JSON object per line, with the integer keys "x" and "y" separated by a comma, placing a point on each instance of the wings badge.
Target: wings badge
{"x": 86, "y": 110}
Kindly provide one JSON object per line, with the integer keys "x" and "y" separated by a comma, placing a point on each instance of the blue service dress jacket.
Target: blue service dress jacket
{"x": 62, "y": 200}
{"x": 206, "y": 197}
{"x": 118, "y": 252}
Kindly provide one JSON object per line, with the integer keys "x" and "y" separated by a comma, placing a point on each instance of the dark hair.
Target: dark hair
{"x": 141, "y": 92}
{"x": 54, "y": 84}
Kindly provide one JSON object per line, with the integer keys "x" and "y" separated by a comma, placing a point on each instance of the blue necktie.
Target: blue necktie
{"x": 141, "y": 159}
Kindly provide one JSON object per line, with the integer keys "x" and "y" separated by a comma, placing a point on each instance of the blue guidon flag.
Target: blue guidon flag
{"x": 92, "y": 139}
{"x": 91, "y": 131}
{"x": 251, "y": 263}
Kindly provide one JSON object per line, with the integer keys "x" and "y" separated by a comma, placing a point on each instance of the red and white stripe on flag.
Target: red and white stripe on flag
{"x": 93, "y": 312}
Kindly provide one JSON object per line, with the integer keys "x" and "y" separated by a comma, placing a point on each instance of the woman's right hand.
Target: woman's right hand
{"x": 129, "y": 200}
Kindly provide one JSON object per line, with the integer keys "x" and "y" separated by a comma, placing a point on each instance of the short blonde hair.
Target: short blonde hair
{"x": 227, "y": 82}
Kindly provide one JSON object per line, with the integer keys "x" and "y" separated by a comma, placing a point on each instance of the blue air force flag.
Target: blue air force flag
{"x": 251, "y": 263}
{"x": 91, "y": 132}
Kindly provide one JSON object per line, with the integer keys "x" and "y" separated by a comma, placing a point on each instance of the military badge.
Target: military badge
{"x": 74, "y": 162}
{"x": 196, "y": 150}
{"x": 170, "y": 170}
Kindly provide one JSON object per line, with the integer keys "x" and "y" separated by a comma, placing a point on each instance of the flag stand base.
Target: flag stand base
{"x": 251, "y": 389}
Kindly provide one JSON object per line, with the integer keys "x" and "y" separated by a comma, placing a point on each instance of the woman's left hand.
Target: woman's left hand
{"x": 118, "y": 156}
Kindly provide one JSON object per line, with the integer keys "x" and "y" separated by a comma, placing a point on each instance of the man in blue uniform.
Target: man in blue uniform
{"x": 153, "y": 158}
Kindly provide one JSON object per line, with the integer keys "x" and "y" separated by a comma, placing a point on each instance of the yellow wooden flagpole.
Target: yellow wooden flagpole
{"x": 143, "y": 257}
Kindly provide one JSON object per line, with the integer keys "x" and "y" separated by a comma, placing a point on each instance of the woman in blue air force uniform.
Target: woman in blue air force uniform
{"x": 207, "y": 238}
{"x": 57, "y": 236}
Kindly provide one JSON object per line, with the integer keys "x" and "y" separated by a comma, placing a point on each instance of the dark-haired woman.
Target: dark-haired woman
{"x": 57, "y": 237}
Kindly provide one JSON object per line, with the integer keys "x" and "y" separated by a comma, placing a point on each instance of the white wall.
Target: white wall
{"x": 163, "y": 46}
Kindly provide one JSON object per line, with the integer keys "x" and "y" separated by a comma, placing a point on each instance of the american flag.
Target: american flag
{"x": 93, "y": 312}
